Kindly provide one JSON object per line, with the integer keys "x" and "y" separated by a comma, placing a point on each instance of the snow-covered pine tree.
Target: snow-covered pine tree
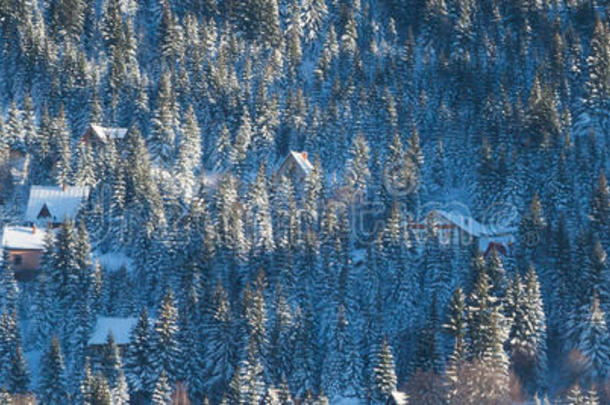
{"x": 100, "y": 392}
{"x": 52, "y": 383}
{"x": 138, "y": 368}
{"x": 594, "y": 345}
{"x": 165, "y": 122}
{"x": 597, "y": 88}
{"x": 165, "y": 349}
{"x": 110, "y": 363}
{"x": 528, "y": 334}
{"x": 385, "y": 375}
{"x": 189, "y": 152}
{"x": 241, "y": 144}
{"x": 120, "y": 392}
{"x": 9, "y": 291}
{"x": 358, "y": 173}
{"x": 61, "y": 147}
{"x": 85, "y": 170}
{"x": 18, "y": 379}
{"x": 428, "y": 355}
{"x": 599, "y": 211}
{"x": 162, "y": 393}
{"x": 86, "y": 383}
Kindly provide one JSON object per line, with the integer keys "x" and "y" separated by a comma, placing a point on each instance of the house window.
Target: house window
{"x": 17, "y": 260}
{"x": 44, "y": 212}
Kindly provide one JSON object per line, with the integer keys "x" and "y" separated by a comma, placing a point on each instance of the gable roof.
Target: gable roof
{"x": 61, "y": 203}
{"x": 106, "y": 133}
{"x": 119, "y": 327}
{"x": 472, "y": 226}
{"x": 23, "y": 237}
{"x": 302, "y": 161}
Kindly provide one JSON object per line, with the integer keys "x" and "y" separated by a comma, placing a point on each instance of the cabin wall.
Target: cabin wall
{"x": 30, "y": 259}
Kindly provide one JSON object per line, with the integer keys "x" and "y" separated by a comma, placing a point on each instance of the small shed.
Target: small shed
{"x": 98, "y": 135}
{"x": 51, "y": 204}
{"x": 24, "y": 246}
{"x": 458, "y": 229}
{"x": 296, "y": 166}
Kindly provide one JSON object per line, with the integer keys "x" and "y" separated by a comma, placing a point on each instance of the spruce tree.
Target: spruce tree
{"x": 18, "y": 377}
{"x": 594, "y": 344}
{"x": 138, "y": 368}
{"x": 52, "y": 383}
{"x": 189, "y": 151}
{"x": 599, "y": 212}
{"x": 161, "y": 395}
{"x": 597, "y": 85}
{"x": 165, "y": 349}
{"x": 358, "y": 172}
{"x": 165, "y": 124}
{"x": 385, "y": 375}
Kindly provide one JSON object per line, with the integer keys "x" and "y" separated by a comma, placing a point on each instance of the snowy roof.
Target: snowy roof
{"x": 105, "y": 133}
{"x": 472, "y": 226}
{"x": 302, "y": 161}
{"x": 23, "y": 237}
{"x": 61, "y": 203}
{"x": 119, "y": 327}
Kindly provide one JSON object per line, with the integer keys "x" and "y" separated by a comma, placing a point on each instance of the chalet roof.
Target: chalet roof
{"x": 302, "y": 161}
{"x": 59, "y": 201}
{"x": 472, "y": 226}
{"x": 119, "y": 327}
{"x": 105, "y": 133}
{"x": 23, "y": 237}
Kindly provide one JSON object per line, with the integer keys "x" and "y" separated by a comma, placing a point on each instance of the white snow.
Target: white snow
{"x": 346, "y": 401}
{"x": 119, "y": 327}
{"x": 400, "y": 398}
{"x": 61, "y": 203}
{"x": 113, "y": 261}
{"x": 23, "y": 237}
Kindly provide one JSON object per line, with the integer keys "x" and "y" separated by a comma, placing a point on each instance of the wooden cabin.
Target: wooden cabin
{"x": 458, "y": 229}
{"x": 295, "y": 166}
{"x": 97, "y": 135}
{"x": 25, "y": 247}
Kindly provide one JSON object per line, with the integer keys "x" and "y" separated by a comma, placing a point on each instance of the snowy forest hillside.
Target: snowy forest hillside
{"x": 329, "y": 285}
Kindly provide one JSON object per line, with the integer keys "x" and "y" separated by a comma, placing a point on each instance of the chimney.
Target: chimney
{"x": 33, "y": 229}
{"x": 64, "y": 186}
{"x": 304, "y": 154}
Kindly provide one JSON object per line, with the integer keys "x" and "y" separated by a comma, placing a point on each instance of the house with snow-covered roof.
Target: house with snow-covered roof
{"x": 52, "y": 204}
{"x": 24, "y": 246}
{"x": 97, "y": 135}
{"x": 120, "y": 328}
{"x": 295, "y": 166}
{"x": 459, "y": 229}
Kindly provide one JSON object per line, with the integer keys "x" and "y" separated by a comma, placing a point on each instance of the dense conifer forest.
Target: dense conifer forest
{"x": 270, "y": 186}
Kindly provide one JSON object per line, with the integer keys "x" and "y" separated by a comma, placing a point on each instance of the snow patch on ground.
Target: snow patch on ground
{"x": 119, "y": 327}
{"x": 113, "y": 261}
{"x": 359, "y": 257}
{"x": 33, "y": 360}
{"x": 346, "y": 401}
